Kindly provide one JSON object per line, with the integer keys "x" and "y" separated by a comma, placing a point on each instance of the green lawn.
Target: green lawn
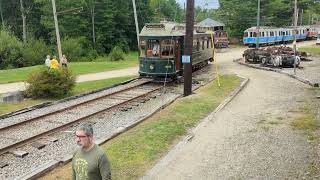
{"x": 80, "y": 88}
{"x": 20, "y": 74}
{"x": 311, "y": 49}
{"x": 132, "y": 153}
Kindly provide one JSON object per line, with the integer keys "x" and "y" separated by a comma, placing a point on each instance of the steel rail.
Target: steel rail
{"x": 61, "y": 127}
{"x": 69, "y": 107}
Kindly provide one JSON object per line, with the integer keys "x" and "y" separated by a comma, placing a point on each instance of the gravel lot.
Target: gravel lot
{"x": 251, "y": 138}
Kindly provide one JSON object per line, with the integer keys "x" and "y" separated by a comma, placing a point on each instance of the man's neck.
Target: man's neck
{"x": 89, "y": 147}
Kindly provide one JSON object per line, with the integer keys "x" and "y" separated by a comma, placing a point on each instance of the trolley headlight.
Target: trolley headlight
{"x": 151, "y": 66}
{"x": 141, "y": 65}
{"x": 168, "y": 66}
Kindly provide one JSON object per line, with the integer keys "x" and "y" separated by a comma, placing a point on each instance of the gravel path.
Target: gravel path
{"x": 251, "y": 138}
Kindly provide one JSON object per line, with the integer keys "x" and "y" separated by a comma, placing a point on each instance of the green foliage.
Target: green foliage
{"x": 34, "y": 52}
{"x": 10, "y": 51}
{"x": 114, "y": 22}
{"x": 166, "y": 9}
{"x": 50, "y": 83}
{"x": 72, "y": 48}
{"x": 116, "y": 54}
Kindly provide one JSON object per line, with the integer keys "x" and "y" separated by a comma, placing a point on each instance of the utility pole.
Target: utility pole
{"x": 57, "y": 28}
{"x": 136, "y": 21}
{"x": 258, "y": 25}
{"x": 294, "y": 35}
{"x": 187, "y": 60}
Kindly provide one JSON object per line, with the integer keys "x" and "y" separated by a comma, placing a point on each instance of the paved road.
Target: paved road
{"x": 251, "y": 138}
{"x": 20, "y": 86}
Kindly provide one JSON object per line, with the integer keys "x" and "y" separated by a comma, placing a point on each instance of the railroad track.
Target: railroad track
{"x": 18, "y": 134}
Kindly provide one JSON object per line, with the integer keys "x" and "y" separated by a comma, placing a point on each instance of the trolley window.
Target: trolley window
{"x": 271, "y": 33}
{"x": 167, "y": 48}
{"x": 153, "y": 48}
{"x": 196, "y": 45}
{"x": 202, "y": 44}
{"x": 245, "y": 34}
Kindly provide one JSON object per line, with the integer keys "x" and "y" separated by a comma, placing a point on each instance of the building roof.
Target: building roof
{"x": 210, "y": 23}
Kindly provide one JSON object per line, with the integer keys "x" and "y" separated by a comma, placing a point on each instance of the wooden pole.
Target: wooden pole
{"x": 187, "y": 71}
{"x": 57, "y": 28}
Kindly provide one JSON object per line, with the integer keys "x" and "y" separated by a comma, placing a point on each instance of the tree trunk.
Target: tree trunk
{"x": 93, "y": 28}
{"x": 24, "y": 29}
{"x": 1, "y": 14}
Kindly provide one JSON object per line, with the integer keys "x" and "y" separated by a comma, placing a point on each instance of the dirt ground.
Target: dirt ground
{"x": 253, "y": 136}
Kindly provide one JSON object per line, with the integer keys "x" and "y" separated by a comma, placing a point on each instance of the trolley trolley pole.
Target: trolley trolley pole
{"x": 186, "y": 58}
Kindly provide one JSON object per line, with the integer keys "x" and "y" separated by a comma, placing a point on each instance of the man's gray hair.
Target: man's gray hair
{"x": 87, "y": 128}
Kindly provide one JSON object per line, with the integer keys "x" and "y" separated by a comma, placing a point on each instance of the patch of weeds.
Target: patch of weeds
{"x": 312, "y": 137}
{"x": 263, "y": 121}
{"x": 306, "y": 122}
{"x": 265, "y": 128}
{"x": 279, "y": 118}
{"x": 274, "y": 122}
{"x": 313, "y": 170}
{"x": 252, "y": 131}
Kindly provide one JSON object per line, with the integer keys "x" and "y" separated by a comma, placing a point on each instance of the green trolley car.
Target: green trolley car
{"x": 161, "y": 46}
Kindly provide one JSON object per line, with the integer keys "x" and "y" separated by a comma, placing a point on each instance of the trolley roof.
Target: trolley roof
{"x": 160, "y": 29}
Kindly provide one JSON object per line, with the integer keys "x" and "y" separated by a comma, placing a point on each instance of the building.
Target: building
{"x": 210, "y": 25}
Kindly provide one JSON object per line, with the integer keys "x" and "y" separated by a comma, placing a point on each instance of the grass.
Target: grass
{"x": 132, "y": 153}
{"x": 6, "y": 108}
{"x": 80, "y": 88}
{"x": 84, "y": 87}
{"x": 307, "y": 120}
{"x": 311, "y": 49}
{"x": 78, "y": 68}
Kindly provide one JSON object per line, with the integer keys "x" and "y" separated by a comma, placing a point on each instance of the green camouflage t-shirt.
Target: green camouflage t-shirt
{"x": 90, "y": 165}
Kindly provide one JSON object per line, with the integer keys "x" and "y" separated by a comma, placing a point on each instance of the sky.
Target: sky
{"x": 206, "y": 4}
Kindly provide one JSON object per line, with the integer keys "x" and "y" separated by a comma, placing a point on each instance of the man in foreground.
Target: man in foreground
{"x": 89, "y": 162}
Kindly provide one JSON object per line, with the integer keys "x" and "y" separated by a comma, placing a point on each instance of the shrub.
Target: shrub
{"x": 92, "y": 55}
{"x": 73, "y": 49}
{"x": 34, "y": 52}
{"x": 123, "y": 44}
{"x": 10, "y": 50}
{"x": 116, "y": 54}
{"x": 50, "y": 83}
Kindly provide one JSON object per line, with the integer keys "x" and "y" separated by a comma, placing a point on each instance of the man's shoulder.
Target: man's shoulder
{"x": 76, "y": 152}
{"x": 99, "y": 150}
